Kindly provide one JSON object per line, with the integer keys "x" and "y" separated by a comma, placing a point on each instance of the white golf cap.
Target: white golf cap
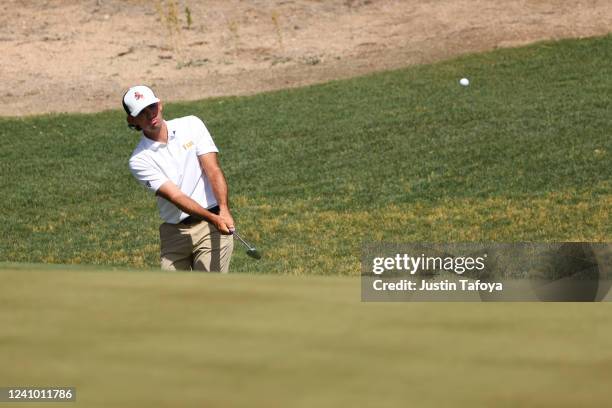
{"x": 137, "y": 98}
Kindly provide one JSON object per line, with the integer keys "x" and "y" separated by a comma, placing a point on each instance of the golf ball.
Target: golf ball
{"x": 464, "y": 81}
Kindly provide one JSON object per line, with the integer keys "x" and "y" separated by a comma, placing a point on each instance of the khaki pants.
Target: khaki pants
{"x": 199, "y": 247}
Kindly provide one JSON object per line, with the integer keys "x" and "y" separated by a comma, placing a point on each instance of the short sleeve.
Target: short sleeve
{"x": 203, "y": 139}
{"x": 146, "y": 174}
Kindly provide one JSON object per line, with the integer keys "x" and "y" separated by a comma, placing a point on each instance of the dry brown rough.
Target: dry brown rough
{"x": 80, "y": 56}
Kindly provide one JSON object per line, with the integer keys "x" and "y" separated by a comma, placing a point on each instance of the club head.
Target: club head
{"x": 251, "y": 250}
{"x": 253, "y": 253}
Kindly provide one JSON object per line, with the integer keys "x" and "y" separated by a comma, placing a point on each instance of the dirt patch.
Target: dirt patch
{"x": 80, "y": 56}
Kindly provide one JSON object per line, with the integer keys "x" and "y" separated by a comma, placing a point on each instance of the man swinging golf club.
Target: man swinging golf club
{"x": 177, "y": 160}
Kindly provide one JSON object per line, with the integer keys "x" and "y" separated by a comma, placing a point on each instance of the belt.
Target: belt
{"x": 194, "y": 220}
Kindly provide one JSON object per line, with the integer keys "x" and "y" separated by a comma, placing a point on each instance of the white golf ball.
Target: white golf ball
{"x": 464, "y": 81}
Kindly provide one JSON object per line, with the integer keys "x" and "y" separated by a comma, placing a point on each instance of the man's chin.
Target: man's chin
{"x": 154, "y": 126}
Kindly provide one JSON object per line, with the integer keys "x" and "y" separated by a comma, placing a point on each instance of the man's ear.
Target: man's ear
{"x": 132, "y": 123}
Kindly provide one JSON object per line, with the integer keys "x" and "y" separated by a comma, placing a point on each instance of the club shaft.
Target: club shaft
{"x": 243, "y": 241}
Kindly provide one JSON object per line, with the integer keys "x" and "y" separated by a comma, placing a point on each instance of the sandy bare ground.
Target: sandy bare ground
{"x": 80, "y": 56}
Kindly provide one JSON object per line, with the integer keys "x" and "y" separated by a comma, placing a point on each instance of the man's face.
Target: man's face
{"x": 150, "y": 118}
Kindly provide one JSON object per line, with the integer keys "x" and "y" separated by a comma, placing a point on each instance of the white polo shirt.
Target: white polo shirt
{"x": 153, "y": 164}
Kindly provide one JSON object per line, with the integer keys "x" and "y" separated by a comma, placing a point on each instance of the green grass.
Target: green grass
{"x": 523, "y": 154}
{"x": 153, "y": 339}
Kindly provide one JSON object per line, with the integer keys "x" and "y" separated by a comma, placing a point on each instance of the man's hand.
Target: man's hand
{"x": 226, "y": 216}
{"x": 222, "y": 225}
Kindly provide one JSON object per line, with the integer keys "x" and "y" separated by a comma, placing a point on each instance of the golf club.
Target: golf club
{"x": 251, "y": 250}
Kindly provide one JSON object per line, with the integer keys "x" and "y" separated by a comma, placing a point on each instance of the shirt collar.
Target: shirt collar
{"x": 153, "y": 145}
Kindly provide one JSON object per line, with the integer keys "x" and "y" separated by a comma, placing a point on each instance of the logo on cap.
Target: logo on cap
{"x": 138, "y": 95}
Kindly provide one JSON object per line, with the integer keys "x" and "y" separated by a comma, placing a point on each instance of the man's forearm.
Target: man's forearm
{"x": 190, "y": 206}
{"x": 216, "y": 178}
{"x": 185, "y": 203}
{"x": 219, "y": 187}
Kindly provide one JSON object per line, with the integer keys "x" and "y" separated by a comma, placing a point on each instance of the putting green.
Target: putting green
{"x": 128, "y": 338}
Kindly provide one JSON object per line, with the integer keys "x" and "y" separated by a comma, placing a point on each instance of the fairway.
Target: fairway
{"x": 130, "y": 338}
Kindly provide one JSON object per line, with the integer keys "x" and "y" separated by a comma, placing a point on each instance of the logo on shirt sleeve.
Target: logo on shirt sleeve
{"x": 188, "y": 145}
{"x": 148, "y": 184}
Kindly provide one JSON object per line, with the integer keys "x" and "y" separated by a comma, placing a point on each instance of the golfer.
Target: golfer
{"x": 177, "y": 160}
